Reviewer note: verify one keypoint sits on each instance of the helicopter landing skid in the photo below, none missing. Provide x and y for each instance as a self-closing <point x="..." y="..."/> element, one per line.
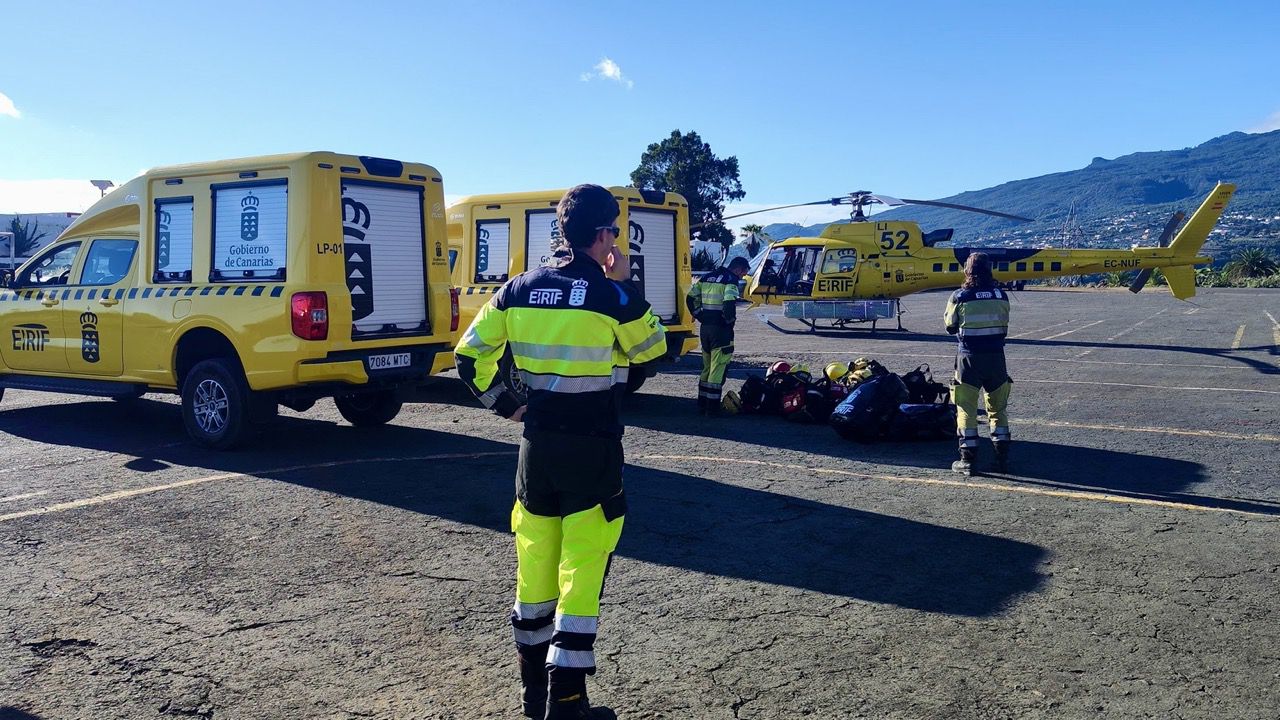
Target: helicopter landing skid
<point x="842" y="315"/>
<point x="836" y="325"/>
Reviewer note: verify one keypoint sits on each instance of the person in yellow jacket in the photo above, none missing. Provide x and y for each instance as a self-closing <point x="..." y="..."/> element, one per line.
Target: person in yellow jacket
<point x="713" y="300"/>
<point x="573" y="330"/>
<point x="978" y="314"/>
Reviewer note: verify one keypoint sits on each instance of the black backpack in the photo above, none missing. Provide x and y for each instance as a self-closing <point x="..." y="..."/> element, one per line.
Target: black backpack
<point x="921" y="389"/>
<point x="777" y="387"/>
<point x="864" y="415"/>
<point x="923" y="421"/>
<point x="752" y="394"/>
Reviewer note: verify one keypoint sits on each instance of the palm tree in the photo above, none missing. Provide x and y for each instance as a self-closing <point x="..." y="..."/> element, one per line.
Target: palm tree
<point x="755" y="237"/>
<point x="26" y="236"/>
<point x="1251" y="263"/>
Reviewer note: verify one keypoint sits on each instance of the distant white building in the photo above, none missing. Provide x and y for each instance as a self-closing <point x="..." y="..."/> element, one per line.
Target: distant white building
<point x="51" y="224"/>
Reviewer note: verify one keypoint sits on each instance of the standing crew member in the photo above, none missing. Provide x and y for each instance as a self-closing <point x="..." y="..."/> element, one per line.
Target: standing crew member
<point x="573" y="332"/>
<point x="713" y="301"/>
<point x="979" y="314"/>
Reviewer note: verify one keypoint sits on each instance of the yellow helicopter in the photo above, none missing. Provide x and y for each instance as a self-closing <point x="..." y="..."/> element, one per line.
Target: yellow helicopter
<point x="854" y="272"/>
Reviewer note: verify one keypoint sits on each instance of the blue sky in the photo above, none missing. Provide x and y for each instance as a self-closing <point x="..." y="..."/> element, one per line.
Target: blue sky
<point x="815" y="99"/>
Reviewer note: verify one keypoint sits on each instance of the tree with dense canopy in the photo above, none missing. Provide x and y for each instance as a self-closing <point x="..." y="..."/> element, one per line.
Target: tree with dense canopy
<point x="684" y="164"/>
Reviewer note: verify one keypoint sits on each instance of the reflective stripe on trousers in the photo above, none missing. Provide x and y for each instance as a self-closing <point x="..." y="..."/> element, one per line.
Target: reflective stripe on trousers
<point x="965" y="398"/>
<point x="561" y="564"/>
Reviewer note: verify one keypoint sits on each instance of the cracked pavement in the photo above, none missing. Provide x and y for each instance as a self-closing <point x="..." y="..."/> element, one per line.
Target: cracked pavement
<point x="1126" y="567"/>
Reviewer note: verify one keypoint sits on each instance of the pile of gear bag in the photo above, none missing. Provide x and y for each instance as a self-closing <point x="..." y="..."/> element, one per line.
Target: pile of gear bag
<point x="861" y="400"/>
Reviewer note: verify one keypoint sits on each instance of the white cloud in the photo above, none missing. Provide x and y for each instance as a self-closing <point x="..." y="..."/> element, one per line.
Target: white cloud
<point x="8" y="108"/>
<point x="607" y="69"/>
<point x="1271" y="123"/>
<point x="47" y="196"/>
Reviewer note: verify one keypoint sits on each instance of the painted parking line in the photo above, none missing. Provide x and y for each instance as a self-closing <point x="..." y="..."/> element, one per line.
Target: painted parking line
<point x="23" y="496"/>
<point x="1126" y="331"/>
<point x="135" y="492"/>
<point x="971" y="484"/>
<point x="1036" y="332"/>
<point x="1010" y="353"/>
<point x="1235" y="344"/>
<point x="1217" y="434"/>
<point x="1275" y="330"/>
<point x="1076" y="330"/>
<point x="1149" y="387"/>
<point x="1084" y="495"/>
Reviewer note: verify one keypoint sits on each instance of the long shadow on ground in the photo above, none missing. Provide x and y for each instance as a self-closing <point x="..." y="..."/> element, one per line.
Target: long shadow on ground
<point x="1262" y="367"/>
<point x="675" y="519"/>
<point x="1131" y="474"/>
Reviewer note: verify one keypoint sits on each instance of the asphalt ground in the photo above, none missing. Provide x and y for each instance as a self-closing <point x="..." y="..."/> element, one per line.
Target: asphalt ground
<point x="1127" y="567"/>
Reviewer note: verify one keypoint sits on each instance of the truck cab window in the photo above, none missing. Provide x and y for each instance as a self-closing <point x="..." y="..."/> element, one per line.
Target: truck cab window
<point x="108" y="262"/>
<point x="52" y="268"/>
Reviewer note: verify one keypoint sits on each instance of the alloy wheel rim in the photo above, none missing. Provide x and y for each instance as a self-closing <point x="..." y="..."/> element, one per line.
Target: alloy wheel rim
<point x="211" y="407"/>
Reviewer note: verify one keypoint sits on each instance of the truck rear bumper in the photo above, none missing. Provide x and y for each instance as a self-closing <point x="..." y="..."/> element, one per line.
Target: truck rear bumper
<point x="354" y="367"/>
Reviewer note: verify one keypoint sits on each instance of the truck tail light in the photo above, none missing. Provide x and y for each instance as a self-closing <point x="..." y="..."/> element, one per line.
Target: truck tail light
<point x="310" y="315"/>
<point x="453" y="309"/>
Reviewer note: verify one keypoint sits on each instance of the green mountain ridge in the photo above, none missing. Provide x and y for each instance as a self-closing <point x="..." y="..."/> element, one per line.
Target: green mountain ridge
<point x="1116" y="202"/>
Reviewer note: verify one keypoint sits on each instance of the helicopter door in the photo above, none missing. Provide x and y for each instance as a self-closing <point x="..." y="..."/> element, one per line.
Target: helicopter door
<point x="839" y="273"/>
<point x="788" y="270"/>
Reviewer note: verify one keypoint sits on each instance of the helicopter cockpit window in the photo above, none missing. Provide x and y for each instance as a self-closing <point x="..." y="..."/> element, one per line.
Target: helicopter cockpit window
<point x="844" y="260"/>
<point x="790" y="270"/>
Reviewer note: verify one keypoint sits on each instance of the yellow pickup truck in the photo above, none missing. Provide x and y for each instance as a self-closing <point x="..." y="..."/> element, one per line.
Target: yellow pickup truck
<point x="494" y="237"/>
<point x="243" y="285"/>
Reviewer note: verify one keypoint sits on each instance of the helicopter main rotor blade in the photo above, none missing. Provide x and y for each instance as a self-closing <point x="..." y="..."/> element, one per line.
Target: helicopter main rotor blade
<point x="830" y="201"/>
<point x="1144" y="275"/>
<point x="888" y="200"/>
<point x="1140" y="281"/>
<point x="967" y="208"/>
<point x="1172" y="225"/>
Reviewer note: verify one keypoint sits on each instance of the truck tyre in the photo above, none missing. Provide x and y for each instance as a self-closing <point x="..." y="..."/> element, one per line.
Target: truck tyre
<point x="369" y="408"/>
<point x="215" y="404"/>
<point x="510" y="376"/>
<point x="635" y="379"/>
<point x="1" y="393"/>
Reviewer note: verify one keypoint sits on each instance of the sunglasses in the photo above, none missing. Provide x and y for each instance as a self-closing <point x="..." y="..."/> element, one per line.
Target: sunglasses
<point x="617" y="231"/>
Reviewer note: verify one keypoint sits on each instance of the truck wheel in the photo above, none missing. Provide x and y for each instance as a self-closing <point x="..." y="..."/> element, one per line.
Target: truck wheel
<point x="369" y="408"/>
<point x="215" y="404"/>
<point x="510" y="376"/>
<point x="635" y="379"/>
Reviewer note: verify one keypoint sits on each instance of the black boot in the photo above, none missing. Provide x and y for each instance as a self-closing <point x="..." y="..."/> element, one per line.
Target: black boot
<point x="713" y="408"/>
<point x="1002" y="456"/>
<point x="533" y="679"/>
<point x="568" y="698"/>
<point x="964" y="466"/>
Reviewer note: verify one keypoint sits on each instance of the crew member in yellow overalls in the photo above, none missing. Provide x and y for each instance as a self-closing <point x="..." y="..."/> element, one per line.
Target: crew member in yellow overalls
<point x="978" y="313"/>
<point x="713" y="301"/>
<point x="573" y="329"/>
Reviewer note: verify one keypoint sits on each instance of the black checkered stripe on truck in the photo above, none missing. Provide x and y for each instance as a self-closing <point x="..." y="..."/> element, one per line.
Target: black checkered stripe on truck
<point x="185" y="291"/>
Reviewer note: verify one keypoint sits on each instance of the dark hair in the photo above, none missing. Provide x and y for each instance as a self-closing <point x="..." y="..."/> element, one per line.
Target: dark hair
<point x="739" y="262"/>
<point x="583" y="209"/>
<point x="977" y="272"/>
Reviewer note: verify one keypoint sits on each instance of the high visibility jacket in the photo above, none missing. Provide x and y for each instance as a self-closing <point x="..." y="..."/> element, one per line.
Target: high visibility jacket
<point x="573" y="335"/>
<point x="980" y="317"/>
<point x="713" y="298"/>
